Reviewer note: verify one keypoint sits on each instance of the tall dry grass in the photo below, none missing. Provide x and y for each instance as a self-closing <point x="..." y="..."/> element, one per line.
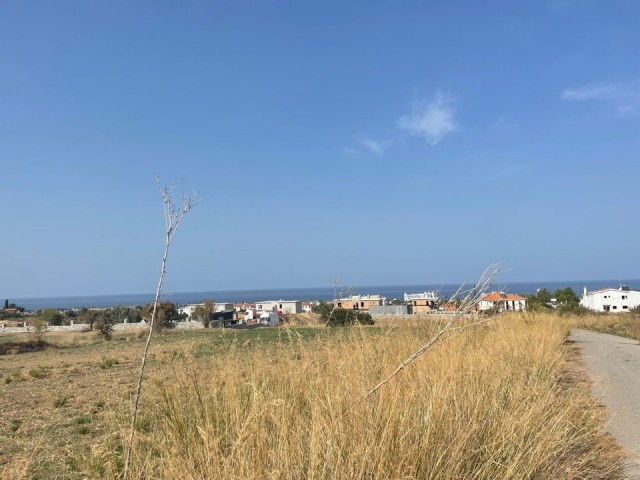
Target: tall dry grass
<point x="622" y="324"/>
<point x="493" y="402"/>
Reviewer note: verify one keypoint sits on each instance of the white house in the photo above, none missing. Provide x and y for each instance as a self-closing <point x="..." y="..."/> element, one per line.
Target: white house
<point x="433" y="296"/>
<point x="218" y="308"/>
<point x="502" y="302"/>
<point x="616" y="300"/>
<point x="284" y="306"/>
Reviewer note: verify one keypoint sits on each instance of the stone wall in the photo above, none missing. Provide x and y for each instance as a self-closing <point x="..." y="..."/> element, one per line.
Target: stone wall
<point x="142" y="325"/>
<point x="85" y="327"/>
<point x="77" y="327"/>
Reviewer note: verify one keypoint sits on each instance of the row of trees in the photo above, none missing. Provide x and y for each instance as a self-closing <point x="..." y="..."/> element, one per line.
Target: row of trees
<point x="8" y="310"/>
<point x="566" y="301"/>
<point x="166" y="314"/>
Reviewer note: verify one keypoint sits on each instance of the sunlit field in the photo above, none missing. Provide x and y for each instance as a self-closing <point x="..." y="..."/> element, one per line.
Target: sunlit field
<point x="502" y="399"/>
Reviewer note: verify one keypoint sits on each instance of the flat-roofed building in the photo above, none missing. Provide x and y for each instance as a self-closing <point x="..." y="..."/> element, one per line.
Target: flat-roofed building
<point x="359" y="302"/>
<point x="615" y="300"/>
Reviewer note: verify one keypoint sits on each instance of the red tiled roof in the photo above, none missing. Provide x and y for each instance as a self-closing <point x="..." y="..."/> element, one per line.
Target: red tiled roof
<point x="499" y="296"/>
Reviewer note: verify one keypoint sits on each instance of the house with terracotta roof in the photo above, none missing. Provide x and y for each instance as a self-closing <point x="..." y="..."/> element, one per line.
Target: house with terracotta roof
<point x="502" y="302"/>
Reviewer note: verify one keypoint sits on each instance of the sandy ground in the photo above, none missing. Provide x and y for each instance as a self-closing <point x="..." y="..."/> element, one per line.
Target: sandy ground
<point x="613" y="363"/>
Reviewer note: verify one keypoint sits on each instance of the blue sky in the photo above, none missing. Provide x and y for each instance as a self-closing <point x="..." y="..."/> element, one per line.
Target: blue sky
<point x="385" y="142"/>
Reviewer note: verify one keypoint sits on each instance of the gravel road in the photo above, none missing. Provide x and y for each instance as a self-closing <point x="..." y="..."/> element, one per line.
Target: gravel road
<point x="613" y="363"/>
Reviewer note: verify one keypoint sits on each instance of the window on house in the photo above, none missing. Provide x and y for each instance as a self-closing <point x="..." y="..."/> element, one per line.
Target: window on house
<point x="362" y="304"/>
<point x="625" y="307"/>
<point x="624" y="297"/>
<point x="615" y="307"/>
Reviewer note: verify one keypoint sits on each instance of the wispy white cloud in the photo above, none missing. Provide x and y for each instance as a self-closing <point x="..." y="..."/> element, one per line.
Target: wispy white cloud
<point x="432" y="121"/>
<point x="624" y="96"/>
<point x="375" y="147"/>
<point x="367" y="145"/>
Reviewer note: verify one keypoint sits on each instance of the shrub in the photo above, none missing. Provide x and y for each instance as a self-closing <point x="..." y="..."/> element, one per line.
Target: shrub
<point x="83" y="420"/>
<point x="342" y="318"/>
<point x="104" y="324"/>
<point x="323" y="309"/>
<point x="60" y="402"/>
<point x="52" y="316"/>
<point x="36" y="372"/>
<point x="108" y="363"/>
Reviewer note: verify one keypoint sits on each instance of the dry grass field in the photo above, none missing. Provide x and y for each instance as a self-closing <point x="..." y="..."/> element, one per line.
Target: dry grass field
<point x="498" y="400"/>
<point x="624" y="325"/>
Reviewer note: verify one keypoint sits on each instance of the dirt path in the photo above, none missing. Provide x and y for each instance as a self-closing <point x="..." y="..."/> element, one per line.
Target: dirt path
<point x="613" y="363"/>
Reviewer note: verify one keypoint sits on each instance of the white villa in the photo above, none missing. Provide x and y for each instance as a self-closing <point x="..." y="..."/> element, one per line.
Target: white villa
<point x="189" y="309"/>
<point x="284" y="306"/>
<point x="616" y="300"/>
<point x="502" y="302"/>
<point x="433" y="296"/>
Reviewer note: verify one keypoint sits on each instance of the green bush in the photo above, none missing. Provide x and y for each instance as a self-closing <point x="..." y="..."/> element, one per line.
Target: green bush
<point x="36" y="372"/>
<point x="341" y="317"/>
<point x="108" y="363"/>
<point x="104" y="324"/>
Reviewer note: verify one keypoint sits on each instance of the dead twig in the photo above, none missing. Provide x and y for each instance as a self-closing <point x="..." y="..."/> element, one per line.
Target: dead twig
<point x="470" y="300"/>
<point x="173" y="216"/>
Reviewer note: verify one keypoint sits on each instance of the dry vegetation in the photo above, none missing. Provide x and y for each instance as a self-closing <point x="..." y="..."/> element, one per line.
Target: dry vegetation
<point x="493" y="401"/>
<point x="623" y="324"/>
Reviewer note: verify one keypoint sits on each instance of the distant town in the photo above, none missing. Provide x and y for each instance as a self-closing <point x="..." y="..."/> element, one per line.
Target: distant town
<point x="209" y="313"/>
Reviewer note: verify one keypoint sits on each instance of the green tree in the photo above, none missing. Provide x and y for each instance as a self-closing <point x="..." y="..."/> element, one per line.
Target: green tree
<point x="165" y="314"/>
<point x="38" y="328"/>
<point x="104" y="324"/>
<point x="121" y="313"/>
<point x="89" y="316"/>
<point x="52" y="316"/>
<point x="204" y="313"/>
<point x="566" y="296"/>
<point x="323" y="309"/>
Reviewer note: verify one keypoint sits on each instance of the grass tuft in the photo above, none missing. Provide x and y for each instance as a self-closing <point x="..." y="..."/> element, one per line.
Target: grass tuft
<point x="108" y="363"/>
<point x="37" y="372"/>
<point x="15" y="425"/>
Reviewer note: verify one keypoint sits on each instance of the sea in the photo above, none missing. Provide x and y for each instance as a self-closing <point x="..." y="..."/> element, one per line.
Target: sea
<point x="310" y="294"/>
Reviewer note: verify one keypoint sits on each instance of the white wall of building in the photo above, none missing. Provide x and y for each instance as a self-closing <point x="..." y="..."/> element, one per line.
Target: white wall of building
<point x="615" y="300"/>
<point x="284" y="306"/>
<point x="503" y="305"/>
<point x="189" y="309"/>
<point x="266" y="306"/>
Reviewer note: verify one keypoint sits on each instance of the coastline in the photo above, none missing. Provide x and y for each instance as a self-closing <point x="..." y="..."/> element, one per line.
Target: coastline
<point x="310" y="294"/>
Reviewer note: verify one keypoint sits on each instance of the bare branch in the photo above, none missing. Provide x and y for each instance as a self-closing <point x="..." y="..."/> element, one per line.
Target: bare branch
<point x="173" y="216"/>
<point x="471" y="298"/>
